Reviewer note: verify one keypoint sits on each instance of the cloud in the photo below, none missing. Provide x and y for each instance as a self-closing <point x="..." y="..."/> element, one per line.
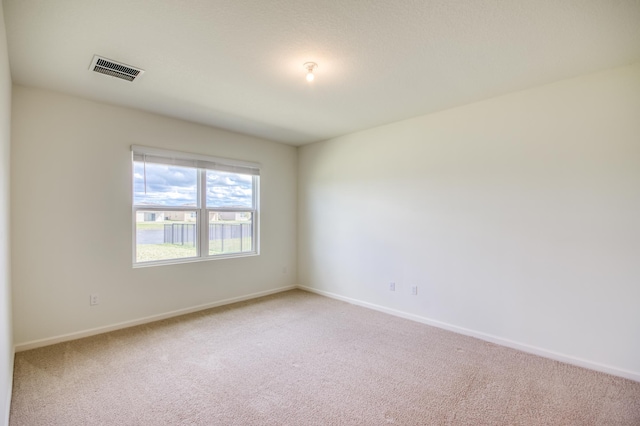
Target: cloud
<point x="177" y="187"/>
<point x="229" y="190"/>
<point x="165" y="185"/>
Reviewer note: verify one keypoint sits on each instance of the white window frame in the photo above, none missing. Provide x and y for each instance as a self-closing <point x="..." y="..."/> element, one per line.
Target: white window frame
<point x="202" y="163"/>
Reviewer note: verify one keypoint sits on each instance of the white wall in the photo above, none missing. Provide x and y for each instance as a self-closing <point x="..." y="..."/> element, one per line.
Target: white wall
<point x="517" y="217"/>
<point x="6" y="340"/>
<point x="71" y="216"/>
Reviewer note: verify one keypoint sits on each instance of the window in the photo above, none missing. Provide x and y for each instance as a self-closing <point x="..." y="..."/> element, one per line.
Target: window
<point x="190" y="207"/>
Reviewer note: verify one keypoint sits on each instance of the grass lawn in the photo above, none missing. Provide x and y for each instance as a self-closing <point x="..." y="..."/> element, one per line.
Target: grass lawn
<point x="151" y="252"/>
<point x="231" y="245"/>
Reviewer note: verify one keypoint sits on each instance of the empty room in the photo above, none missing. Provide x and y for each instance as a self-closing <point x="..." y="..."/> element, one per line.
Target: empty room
<point x="254" y="212"/>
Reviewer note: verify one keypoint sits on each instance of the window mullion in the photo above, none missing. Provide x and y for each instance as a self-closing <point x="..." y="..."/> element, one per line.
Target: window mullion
<point x="204" y="220"/>
<point x="255" y="184"/>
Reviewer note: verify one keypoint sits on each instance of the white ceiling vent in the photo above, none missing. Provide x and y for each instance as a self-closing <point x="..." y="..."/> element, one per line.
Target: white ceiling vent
<point x="114" y="69"/>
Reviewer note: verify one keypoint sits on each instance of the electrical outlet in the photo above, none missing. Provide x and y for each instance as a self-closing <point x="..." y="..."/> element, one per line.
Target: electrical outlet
<point x="94" y="299"/>
<point x="414" y="290"/>
<point x="392" y="286"/>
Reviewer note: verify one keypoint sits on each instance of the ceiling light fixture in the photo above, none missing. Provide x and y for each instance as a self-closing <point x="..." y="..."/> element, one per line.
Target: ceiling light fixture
<point x="310" y="67"/>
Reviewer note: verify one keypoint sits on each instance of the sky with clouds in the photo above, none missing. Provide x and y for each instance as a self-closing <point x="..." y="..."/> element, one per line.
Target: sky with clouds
<point x="177" y="187"/>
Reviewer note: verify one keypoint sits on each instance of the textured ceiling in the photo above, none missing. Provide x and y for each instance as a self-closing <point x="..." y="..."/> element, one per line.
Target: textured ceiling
<point x="237" y="64"/>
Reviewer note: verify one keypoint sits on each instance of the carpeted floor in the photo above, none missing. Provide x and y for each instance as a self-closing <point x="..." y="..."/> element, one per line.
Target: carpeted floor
<point x="300" y="359"/>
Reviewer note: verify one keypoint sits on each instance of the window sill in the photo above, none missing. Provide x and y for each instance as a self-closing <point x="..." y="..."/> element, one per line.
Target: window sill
<point x="192" y="260"/>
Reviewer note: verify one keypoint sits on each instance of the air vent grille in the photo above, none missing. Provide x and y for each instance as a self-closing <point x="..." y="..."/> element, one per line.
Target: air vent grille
<point x="115" y="69"/>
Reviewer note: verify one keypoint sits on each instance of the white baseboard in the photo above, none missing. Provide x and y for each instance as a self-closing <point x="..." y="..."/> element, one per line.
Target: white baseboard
<point x="99" y="330"/>
<point x="635" y="376"/>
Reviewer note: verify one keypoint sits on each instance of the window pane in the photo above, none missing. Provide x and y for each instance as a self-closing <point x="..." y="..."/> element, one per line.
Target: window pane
<point x="165" y="185"/>
<point x="164" y="235"/>
<point x="230" y="190"/>
<point x="230" y="232"/>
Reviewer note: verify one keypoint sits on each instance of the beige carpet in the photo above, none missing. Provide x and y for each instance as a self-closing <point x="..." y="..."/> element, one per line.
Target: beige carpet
<point x="300" y="359"/>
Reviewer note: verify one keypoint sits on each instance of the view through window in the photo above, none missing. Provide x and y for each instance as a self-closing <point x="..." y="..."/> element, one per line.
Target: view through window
<point x="191" y="207"/>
